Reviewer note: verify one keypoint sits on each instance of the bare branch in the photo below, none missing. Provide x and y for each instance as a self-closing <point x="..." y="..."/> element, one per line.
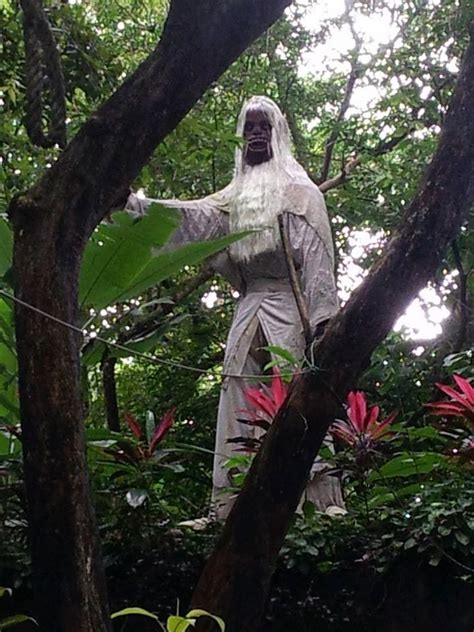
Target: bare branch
<point x="383" y="148"/>
<point x="356" y="71"/>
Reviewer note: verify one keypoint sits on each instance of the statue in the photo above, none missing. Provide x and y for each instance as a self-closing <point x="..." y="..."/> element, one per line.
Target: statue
<point x="268" y="182"/>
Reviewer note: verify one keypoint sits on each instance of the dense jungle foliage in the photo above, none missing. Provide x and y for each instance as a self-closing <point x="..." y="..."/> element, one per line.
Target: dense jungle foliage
<point x="402" y="558"/>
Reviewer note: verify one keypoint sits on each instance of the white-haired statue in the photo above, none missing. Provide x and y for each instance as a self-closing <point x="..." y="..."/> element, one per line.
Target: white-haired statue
<point x="268" y="182"/>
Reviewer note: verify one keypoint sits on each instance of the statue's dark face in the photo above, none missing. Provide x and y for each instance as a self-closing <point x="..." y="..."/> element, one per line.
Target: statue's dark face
<point x="257" y="136"/>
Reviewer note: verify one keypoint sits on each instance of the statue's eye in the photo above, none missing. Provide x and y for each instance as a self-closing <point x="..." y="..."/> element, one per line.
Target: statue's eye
<point x="248" y="127"/>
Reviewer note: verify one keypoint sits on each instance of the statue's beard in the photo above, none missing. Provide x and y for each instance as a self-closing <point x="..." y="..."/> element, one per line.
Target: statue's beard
<point x="256" y="204"/>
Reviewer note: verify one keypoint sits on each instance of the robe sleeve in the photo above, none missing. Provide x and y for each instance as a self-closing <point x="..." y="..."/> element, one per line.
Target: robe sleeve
<point x="200" y="223"/>
<point x="200" y="220"/>
<point x="316" y="267"/>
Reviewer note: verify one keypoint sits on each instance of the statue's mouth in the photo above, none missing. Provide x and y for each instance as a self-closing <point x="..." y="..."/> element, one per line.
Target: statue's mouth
<point x="258" y="144"/>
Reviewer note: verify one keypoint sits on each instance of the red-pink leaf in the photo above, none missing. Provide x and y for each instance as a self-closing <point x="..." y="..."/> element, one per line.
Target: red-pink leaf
<point x="449" y="409"/>
<point x="458" y="397"/>
<point x="134" y="425"/>
<point x="466" y="387"/>
<point x="372" y="416"/>
<point x="279" y="389"/>
<point x="380" y="431"/>
<point x="345" y="432"/>
<point x="260" y="401"/>
<point x="357" y="409"/>
<point x="162" y="428"/>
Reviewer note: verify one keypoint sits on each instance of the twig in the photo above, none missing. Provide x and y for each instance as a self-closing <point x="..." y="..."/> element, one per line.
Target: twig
<point x="356" y="71"/>
<point x="332" y="183"/>
<point x="295" y="282"/>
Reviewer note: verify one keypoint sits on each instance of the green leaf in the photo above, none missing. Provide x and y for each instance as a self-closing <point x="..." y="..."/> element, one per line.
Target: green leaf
<point x="176" y="623"/>
<point x="9" y="404"/>
<point x="462" y="538"/>
<point x="197" y="612"/>
<point x="140" y="611"/>
<point x="407" y="464"/>
<point x="165" y="265"/>
<point x="15" y="620"/>
<point x="282" y="353"/>
<point x="8" y="363"/>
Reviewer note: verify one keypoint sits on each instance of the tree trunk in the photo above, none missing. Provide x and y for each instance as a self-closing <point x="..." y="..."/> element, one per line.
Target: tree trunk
<point x="68" y="577"/>
<point x="52" y="223"/>
<point x="235" y="581"/>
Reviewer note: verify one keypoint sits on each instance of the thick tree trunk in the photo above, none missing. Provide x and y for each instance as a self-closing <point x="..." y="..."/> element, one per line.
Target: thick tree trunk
<point x="69" y="582"/>
<point x="52" y="223"/>
<point x="235" y="582"/>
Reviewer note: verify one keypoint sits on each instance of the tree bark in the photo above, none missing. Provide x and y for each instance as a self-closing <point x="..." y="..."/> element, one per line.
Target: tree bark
<point x="235" y="581"/>
<point x="52" y="223"/>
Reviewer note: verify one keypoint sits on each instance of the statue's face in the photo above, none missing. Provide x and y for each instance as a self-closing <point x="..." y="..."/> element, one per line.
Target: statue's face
<point x="257" y="137"/>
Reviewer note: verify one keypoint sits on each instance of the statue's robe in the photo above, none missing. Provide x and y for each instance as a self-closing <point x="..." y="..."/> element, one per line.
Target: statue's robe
<point x="266" y="314"/>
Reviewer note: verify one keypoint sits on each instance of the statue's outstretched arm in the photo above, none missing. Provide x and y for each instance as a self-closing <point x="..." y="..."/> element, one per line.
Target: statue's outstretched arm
<point x="200" y="220"/>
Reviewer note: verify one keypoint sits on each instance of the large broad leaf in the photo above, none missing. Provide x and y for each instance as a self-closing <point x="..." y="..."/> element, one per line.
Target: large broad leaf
<point x="118" y="253"/>
<point x="5" y="246"/>
<point x="121" y="261"/>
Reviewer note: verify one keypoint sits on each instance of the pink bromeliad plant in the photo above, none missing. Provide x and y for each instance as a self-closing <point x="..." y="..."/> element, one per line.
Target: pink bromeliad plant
<point x="461" y="403"/>
<point x="264" y="403"/>
<point x="362" y="430"/>
<point x="461" y="406"/>
<point x="146" y="448"/>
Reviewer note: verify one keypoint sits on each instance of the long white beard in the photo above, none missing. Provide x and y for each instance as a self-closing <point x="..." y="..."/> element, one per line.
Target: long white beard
<point x="256" y="202"/>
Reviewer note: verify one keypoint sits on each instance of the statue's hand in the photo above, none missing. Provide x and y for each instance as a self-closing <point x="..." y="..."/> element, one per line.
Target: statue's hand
<point x="137" y="205"/>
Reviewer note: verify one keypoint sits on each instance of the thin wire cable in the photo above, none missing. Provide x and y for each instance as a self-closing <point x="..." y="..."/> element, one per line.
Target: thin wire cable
<point x="145" y="356"/>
